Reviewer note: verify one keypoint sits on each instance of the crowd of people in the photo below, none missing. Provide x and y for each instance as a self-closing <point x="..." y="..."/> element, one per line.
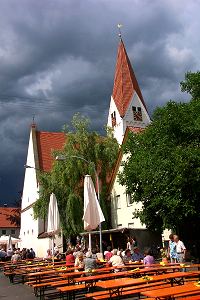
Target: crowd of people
<point x="175" y="252"/>
<point x="87" y="259"/>
<point x="15" y="255"/>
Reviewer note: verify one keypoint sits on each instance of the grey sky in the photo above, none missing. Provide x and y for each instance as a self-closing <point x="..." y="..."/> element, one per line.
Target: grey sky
<point x="58" y="57"/>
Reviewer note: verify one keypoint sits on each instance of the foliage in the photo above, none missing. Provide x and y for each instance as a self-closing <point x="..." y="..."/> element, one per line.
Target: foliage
<point x="191" y="84"/>
<point x="15" y="217"/>
<point x="66" y="177"/>
<point x="163" y="169"/>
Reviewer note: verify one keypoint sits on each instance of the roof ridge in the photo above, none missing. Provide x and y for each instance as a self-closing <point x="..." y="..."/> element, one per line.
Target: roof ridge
<point x="44" y="131"/>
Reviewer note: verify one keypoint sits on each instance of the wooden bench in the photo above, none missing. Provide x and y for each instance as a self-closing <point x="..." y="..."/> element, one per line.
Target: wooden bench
<point x="100" y="295"/>
<point x="197" y="297"/>
<point x="47" y="279"/>
<point x="40" y="287"/>
<point x="71" y="289"/>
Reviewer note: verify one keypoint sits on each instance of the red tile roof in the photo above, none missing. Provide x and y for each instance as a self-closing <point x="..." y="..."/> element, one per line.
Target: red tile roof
<point x="125" y="82"/>
<point x="47" y="142"/>
<point x="7" y="215"/>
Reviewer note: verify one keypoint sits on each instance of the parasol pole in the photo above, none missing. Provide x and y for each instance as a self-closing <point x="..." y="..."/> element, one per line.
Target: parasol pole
<point x="53" y="249"/>
<point x="90" y="242"/>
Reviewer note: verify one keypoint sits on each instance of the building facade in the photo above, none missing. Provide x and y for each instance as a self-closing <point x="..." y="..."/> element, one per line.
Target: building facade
<point x="39" y="158"/>
<point x="10" y="221"/>
<point x="127" y="113"/>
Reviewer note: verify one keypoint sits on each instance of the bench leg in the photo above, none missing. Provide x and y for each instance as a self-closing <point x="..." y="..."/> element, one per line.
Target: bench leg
<point x="11" y="277"/>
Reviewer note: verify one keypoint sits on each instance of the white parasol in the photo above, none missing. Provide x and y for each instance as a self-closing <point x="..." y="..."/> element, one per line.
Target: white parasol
<point x="53" y="225"/>
<point x="9" y="243"/>
<point x="93" y="214"/>
<point x="5" y="238"/>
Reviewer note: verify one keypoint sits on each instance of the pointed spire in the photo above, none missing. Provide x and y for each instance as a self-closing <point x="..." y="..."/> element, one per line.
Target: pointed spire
<point x="33" y="125"/>
<point x="125" y="82"/>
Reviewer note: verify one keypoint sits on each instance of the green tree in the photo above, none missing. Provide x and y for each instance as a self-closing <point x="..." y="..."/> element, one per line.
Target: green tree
<point x="66" y="177"/>
<point x="191" y="84"/>
<point x="163" y="168"/>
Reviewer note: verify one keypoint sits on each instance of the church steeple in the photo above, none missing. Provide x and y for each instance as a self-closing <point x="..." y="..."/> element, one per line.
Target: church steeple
<point x="127" y="106"/>
<point x="125" y="82"/>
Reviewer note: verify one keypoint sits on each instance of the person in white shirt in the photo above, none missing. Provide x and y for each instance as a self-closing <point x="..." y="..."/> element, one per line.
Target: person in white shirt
<point x="180" y="249"/>
<point x="116" y="260"/>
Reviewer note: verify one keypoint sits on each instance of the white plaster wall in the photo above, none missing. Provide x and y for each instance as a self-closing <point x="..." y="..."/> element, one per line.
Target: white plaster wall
<point x="29" y="230"/>
<point x="123" y="217"/>
<point x="42" y="246"/>
<point x="128" y="118"/>
<point x="118" y="129"/>
<point x="165" y="235"/>
<point x="29" y="226"/>
<point x="31" y="188"/>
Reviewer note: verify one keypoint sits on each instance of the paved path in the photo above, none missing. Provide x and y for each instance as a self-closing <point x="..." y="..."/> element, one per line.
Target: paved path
<point x="9" y="291"/>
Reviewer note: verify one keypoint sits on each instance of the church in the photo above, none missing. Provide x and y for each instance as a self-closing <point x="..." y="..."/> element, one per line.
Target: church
<point x="127" y="112"/>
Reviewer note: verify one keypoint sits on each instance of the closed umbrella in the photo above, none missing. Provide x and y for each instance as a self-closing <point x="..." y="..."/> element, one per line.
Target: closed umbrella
<point x="9" y="244"/>
<point x="53" y="225"/>
<point x="93" y="214"/>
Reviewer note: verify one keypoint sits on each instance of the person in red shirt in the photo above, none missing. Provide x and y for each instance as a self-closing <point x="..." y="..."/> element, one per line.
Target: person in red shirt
<point x="108" y="254"/>
<point x="70" y="259"/>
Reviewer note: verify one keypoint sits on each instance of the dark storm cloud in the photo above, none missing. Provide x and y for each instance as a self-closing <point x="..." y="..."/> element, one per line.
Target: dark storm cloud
<point x="58" y="57"/>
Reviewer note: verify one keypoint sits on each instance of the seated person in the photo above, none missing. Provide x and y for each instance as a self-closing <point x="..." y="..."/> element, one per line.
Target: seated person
<point x="70" y="259"/>
<point x="89" y="262"/>
<point x="49" y="255"/>
<point x="15" y="257"/>
<point x="137" y="256"/>
<point x="57" y="255"/>
<point x="108" y="254"/>
<point x="116" y="260"/>
<point x="2" y="255"/>
<point x="29" y="254"/>
<point x="127" y="257"/>
<point x="148" y="259"/>
<point x="94" y="253"/>
<point x="79" y="260"/>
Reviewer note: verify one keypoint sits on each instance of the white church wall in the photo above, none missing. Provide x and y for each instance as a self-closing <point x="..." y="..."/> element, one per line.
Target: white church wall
<point x="29" y="226"/>
<point x="29" y="230"/>
<point x="121" y="208"/>
<point x="118" y="128"/>
<point x="30" y="189"/>
<point x="129" y="118"/>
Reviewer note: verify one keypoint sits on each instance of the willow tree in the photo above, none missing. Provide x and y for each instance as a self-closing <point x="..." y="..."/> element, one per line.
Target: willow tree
<point x="66" y="177"/>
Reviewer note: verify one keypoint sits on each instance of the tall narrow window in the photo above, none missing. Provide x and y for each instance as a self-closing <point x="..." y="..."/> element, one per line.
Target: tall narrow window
<point x="118" y="201"/>
<point x="137" y="113"/>
<point x="129" y="200"/>
<point x="113" y="119"/>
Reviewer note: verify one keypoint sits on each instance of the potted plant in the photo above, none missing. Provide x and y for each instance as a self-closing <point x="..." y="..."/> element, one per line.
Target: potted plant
<point x="163" y="253"/>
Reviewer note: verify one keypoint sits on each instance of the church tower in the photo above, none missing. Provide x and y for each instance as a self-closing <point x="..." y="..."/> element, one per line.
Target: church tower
<point x="127" y="106"/>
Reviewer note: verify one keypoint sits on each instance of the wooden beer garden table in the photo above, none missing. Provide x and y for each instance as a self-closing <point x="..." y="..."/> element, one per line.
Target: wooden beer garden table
<point x="38" y="275"/>
<point x="172" y="277"/>
<point x="115" y="286"/>
<point x="172" y="292"/>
